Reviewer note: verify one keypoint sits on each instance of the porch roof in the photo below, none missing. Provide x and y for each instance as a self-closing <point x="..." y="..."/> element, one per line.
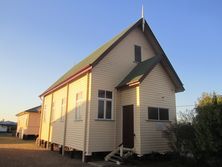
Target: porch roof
<point x="139" y="72"/>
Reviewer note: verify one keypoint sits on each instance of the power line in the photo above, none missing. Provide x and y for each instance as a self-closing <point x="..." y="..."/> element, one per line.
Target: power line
<point x="186" y="105"/>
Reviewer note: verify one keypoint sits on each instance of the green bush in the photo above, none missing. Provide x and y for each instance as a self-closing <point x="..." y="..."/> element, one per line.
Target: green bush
<point x="208" y="130"/>
<point x="201" y="136"/>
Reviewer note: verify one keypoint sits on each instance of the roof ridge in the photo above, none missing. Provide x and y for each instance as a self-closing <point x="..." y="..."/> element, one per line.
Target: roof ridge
<point x="93" y="58"/>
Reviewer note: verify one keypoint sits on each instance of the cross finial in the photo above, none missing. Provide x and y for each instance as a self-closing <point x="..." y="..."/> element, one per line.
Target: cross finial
<point x="142" y="16"/>
<point x="142" y="13"/>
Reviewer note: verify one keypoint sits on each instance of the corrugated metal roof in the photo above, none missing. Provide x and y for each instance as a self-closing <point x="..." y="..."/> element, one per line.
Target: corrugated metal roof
<point x="8" y="123"/>
<point x="34" y="109"/>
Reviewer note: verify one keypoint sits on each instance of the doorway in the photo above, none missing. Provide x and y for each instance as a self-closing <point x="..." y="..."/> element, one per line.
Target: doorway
<point x="128" y="126"/>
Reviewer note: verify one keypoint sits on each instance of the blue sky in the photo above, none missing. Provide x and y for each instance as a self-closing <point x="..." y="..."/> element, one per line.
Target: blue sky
<point x="40" y="40"/>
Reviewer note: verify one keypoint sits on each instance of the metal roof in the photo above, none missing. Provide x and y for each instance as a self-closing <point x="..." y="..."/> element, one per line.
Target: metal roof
<point x="101" y="52"/>
<point x="140" y="71"/>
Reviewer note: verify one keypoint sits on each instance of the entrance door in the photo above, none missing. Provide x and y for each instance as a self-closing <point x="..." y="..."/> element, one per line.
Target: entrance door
<point x="128" y="127"/>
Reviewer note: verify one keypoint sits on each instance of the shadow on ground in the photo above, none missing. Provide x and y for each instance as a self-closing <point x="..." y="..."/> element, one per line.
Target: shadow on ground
<point x="35" y="158"/>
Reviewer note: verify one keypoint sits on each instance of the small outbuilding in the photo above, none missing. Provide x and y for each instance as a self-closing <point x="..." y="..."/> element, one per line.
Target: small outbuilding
<point x="28" y="123"/>
<point x="7" y="126"/>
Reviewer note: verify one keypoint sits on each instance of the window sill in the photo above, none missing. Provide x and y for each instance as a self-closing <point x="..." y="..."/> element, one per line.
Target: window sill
<point x="100" y="119"/>
<point x="78" y="120"/>
<point x="153" y="120"/>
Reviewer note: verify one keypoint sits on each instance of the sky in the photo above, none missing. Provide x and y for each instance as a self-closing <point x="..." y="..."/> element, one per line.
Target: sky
<point x="41" y="40"/>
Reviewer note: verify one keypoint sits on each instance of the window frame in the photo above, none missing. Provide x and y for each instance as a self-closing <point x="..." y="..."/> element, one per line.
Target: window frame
<point x="78" y="103"/>
<point x="62" y="109"/>
<point x="44" y="113"/>
<point x="167" y="114"/>
<point x="135" y="53"/>
<point x="53" y="112"/>
<point x="105" y="99"/>
<point x="158" y="110"/>
<point x="26" y="122"/>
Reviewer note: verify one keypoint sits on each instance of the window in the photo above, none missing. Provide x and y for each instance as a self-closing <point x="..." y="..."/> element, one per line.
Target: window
<point x="104" y="104"/>
<point x="53" y="112"/>
<point x="163" y="114"/>
<point x="44" y="113"/>
<point x="62" y="109"/>
<point x="79" y="106"/>
<point x="153" y="113"/>
<point x="26" y="122"/>
<point x="156" y="113"/>
<point x="137" y="53"/>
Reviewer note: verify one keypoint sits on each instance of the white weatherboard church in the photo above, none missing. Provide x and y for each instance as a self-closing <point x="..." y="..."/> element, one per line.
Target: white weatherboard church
<point x="122" y="96"/>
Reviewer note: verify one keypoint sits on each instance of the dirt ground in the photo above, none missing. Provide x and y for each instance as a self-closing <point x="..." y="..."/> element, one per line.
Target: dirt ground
<point x="15" y="152"/>
<point x="24" y="153"/>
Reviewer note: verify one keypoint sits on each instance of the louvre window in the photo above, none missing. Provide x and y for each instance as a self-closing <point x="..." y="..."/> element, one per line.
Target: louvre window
<point x="137" y="54"/>
<point x="155" y="113"/>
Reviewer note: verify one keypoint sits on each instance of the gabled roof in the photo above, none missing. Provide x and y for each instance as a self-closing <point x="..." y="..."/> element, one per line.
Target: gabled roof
<point x="31" y="110"/>
<point x="101" y="52"/>
<point x="139" y="72"/>
<point x="8" y="123"/>
<point x="93" y="58"/>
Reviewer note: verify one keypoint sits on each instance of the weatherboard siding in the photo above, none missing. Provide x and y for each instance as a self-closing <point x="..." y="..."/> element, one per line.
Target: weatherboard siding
<point x="22" y="124"/>
<point x="45" y="117"/>
<point x="106" y="75"/>
<point x="58" y="117"/>
<point x="156" y="90"/>
<point x="33" y="124"/>
<point x="75" y="128"/>
<point x="129" y="97"/>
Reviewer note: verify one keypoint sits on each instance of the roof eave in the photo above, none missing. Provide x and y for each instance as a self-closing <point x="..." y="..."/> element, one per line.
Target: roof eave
<point x="21" y="113"/>
<point x="130" y="85"/>
<point x="116" y="42"/>
<point x="68" y="80"/>
<point x="165" y="58"/>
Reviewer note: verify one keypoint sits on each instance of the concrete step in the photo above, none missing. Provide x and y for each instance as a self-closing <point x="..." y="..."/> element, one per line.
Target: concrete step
<point x="102" y="164"/>
<point x="116" y="161"/>
<point x="117" y="158"/>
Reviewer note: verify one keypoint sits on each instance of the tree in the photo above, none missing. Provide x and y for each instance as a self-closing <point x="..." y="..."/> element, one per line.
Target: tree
<point x="200" y="133"/>
<point x="208" y="125"/>
<point x="209" y="99"/>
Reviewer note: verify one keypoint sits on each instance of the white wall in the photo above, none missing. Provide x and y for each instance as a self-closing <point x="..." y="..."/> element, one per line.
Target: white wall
<point x="156" y="90"/>
<point x="106" y="76"/>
